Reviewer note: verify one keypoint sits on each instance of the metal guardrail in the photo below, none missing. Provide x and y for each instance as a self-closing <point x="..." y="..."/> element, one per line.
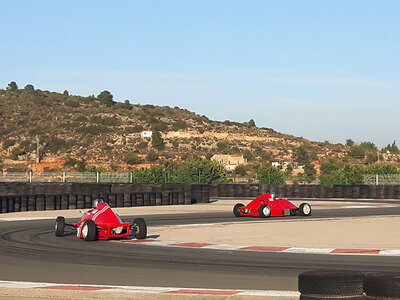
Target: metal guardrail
<point x="392" y="179"/>
<point x="81" y="177"/>
<point x="127" y="177"/>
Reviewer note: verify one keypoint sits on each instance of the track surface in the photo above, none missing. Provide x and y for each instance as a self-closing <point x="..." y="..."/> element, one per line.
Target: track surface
<point x="29" y="251"/>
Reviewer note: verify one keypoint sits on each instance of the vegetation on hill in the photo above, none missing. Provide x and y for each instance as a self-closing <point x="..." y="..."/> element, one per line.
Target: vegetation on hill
<point x="98" y="133"/>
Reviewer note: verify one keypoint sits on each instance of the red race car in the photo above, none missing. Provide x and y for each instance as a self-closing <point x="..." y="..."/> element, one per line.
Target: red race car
<point x="102" y="223"/>
<point x="267" y="205"/>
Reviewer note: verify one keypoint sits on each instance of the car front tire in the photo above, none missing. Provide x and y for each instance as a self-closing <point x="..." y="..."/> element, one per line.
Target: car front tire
<point x="264" y="211"/>
<point x="139" y="228"/>
<point x="89" y="230"/>
<point x="305" y="209"/>
<point x="59" y="226"/>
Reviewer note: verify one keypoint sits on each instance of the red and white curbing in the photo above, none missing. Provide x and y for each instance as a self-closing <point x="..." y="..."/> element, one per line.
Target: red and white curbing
<point x="144" y="289"/>
<point x="332" y="251"/>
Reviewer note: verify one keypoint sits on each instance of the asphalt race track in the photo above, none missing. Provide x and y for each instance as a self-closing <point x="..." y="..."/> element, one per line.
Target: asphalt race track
<point x="29" y="251"/>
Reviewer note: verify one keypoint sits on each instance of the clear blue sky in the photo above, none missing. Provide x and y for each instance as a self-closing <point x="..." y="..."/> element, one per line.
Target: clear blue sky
<point x="324" y="70"/>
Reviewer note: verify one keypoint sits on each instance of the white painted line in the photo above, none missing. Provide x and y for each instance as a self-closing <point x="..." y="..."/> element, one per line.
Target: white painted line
<point x="27" y="219"/>
<point x="222" y="247"/>
<point x="308" y="250"/>
<point x="361" y="206"/>
<point x="270" y="293"/>
<point x="139" y="289"/>
<point x="390" y="252"/>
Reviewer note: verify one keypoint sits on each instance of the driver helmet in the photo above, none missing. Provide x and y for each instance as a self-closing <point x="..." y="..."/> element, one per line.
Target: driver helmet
<point x="97" y="201"/>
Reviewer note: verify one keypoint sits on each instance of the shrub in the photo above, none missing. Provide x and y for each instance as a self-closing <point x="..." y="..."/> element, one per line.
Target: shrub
<point x="152" y="156"/>
<point x="16" y="152"/>
<point x="132" y="159"/>
<point x="223" y="147"/>
<point x="180" y="125"/>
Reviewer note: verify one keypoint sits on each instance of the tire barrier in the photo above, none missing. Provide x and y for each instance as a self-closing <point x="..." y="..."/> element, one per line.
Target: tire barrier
<point x="382" y="285"/>
<point x="331" y="285"/>
<point x="48" y="196"/>
<point x="326" y="285"/>
<point x="307" y="191"/>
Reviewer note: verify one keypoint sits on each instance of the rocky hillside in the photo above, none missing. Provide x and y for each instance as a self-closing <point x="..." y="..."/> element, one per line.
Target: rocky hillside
<point x="106" y="133"/>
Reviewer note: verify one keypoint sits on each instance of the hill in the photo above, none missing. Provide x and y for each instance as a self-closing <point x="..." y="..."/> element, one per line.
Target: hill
<point x="108" y="134"/>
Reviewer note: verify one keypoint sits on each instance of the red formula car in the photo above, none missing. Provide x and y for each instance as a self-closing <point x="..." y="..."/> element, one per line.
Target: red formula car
<point x="102" y="223"/>
<point x="267" y="205"/>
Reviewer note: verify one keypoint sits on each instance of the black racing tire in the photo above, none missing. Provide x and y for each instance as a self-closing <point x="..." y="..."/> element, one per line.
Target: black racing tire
<point x="331" y="283"/>
<point x="236" y="209"/>
<point x="319" y="297"/>
<point x="305" y="209"/>
<point x="382" y="285"/>
<point x="139" y="228"/>
<point x="264" y="211"/>
<point x="89" y="230"/>
<point x="59" y="226"/>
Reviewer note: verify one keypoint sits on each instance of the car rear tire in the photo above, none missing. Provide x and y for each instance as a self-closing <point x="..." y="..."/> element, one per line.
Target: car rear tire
<point x="60" y="225"/>
<point x="305" y="209"/>
<point x="236" y="209"/>
<point x="139" y="228"/>
<point x="89" y="230"/>
<point x="264" y="211"/>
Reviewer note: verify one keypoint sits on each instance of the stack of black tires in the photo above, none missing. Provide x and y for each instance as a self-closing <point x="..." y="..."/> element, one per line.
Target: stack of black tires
<point x="343" y="285"/>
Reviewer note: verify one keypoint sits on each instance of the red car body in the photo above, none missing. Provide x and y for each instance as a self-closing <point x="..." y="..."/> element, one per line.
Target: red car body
<point x="267" y="205"/>
<point x="102" y="223"/>
<point x="109" y="225"/>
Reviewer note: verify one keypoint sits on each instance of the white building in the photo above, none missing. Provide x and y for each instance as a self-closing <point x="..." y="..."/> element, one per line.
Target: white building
<point x="146" y="134"/>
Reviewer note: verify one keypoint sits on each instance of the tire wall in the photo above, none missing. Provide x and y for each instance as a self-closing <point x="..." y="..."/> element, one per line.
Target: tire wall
<point x="56" y="196"/>
<point x="15" y="197"/>
<point x="307" y="191"/>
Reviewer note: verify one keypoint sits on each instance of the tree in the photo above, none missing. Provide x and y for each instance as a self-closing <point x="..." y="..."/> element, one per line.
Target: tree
<point x="347" y="174"/>
<point x="382" y="169"/>
<point x="369" y="146"/>
<point x="247" y="154"/>
<point x="126" y="105"/>
<point x="310" y="173"/>
<point x="302" y="155"/>
<point x="270" y="175"/>
<point x="391" y="148"/>
<point x="240" y="170"/>
<point x="66" y="93"/>
<point x="151" y="156"/>
<point x="192" y="172"/>
<point x="349" y="143"/>
<point x="106" y="98"/>
<point x="29" y="87"/>
<point x="157" y="141"/>
<point x="357" y="152"/>
<point x="251" y="123"/>
<point x="223" y="147"/>
<point x="12" y="86"/>
<point x="196" y="171"/>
